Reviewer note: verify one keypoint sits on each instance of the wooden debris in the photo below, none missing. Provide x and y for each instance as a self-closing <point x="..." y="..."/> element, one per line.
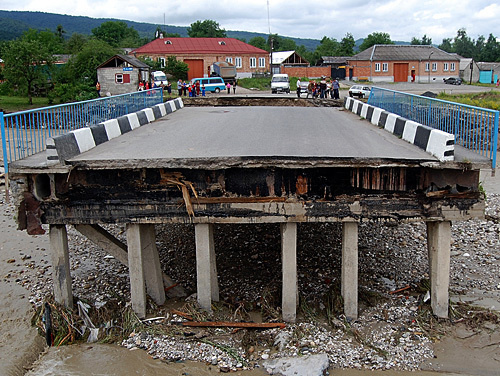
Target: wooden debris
<point x="399" y="290"/>
<point x="182" y="314"/>
<point x="230" y="324"/>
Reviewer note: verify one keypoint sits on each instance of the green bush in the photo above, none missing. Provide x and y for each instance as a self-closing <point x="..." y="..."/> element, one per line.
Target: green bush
<point x="6" y="89"/>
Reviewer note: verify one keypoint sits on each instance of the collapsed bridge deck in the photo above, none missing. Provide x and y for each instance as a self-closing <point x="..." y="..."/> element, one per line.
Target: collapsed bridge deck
<point x="248" y="165"/>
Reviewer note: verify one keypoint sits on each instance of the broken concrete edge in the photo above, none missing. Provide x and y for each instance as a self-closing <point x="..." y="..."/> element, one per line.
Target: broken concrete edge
<point x="63" y="147"/>
<point x="434" y="141"/>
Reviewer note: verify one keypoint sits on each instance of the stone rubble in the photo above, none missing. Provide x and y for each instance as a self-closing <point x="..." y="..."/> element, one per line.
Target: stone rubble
<point x="391" y="256"/>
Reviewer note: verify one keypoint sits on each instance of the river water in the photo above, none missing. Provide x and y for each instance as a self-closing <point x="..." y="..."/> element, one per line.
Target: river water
<point x="112" y="360"/>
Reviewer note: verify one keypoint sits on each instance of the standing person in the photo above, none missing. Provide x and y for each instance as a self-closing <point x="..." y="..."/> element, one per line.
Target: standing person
<point x="98" y="88"/>
<point x="184" y="88"/>
<point x="179" y="87"/>
<point x="169" y="88"/>
<point x="197" y="88"/>
<point x="141" y="85"/>
<point x="335" y="87"/>
<point x="234" y="86"/>
<point x="322" y="87"/>
<point x="228" y="86"/>
<point x="310" y="89"/>
<point x="298" y="88"/>
<point x="203" y="91"/>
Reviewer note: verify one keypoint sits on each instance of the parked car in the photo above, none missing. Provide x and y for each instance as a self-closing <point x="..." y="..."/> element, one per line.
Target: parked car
<point x="359" y="91"/>
<point x="453" y="81"/>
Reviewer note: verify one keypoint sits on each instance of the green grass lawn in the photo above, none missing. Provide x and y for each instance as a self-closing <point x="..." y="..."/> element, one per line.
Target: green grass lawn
<point x="487" y="99"/>
<point x="14" y="104"/>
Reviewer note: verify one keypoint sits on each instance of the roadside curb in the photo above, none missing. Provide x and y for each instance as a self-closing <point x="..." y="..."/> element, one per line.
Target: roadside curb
<point x="63" y="147"/>
<point x="434" y="141"/>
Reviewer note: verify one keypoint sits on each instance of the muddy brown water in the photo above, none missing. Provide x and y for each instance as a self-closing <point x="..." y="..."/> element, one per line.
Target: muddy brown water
<point x="111" y="360"/>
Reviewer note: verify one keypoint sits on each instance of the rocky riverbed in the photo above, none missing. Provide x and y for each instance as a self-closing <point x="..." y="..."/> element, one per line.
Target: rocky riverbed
<point x="394" y="330"/>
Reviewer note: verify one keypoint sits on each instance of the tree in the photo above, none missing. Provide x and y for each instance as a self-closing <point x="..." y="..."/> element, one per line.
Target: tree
<point x="178" y="69"/>
<point x="281" y="44"/>
<point x="27" y="62"/>
<point x="327" y="47"/>
<point x="463" y="45"/>
<point x="60" y="33"/>
<point x="83" y="65"/>
<point x="117" y="33"/>
<point x="347" y="44"/>
<point x="375" y="38"/>
<point x="446" y="45"/>
<point x="425" y="41"/>
<point x="491" y="50"/>
<point x="259" y="42"/>
<point x="75" y="43"/>
<point x="206" y="29"/>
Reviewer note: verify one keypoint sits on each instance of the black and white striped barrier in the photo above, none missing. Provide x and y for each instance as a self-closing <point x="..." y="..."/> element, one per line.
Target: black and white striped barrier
<point x="66" y="146"/>
<point x="436" y="142"/>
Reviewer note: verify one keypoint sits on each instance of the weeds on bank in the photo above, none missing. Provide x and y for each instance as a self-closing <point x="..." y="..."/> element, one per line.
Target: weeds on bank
<point x="489" y="99"/>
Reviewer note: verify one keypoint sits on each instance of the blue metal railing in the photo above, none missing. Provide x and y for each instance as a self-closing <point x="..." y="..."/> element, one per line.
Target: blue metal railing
<point x="474" y="128"/>
<point x="25" y="133"/>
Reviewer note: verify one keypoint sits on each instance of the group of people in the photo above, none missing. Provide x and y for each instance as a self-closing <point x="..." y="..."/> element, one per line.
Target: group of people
<point x="321" y="89"/>
<point x="192" y="90"/>
<point x="145" y="85"/>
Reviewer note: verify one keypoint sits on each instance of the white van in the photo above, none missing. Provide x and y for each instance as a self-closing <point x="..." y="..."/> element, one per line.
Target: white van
<point x="280" y="83"/>
<point x="159" y="78"/>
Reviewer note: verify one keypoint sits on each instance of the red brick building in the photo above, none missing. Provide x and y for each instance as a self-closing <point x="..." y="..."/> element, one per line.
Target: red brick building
<point x="200" y="53"/>
<point x="396" y="63"/>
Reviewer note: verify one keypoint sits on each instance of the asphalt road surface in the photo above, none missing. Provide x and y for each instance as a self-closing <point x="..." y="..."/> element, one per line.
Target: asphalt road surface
<point x="225" y="134"/>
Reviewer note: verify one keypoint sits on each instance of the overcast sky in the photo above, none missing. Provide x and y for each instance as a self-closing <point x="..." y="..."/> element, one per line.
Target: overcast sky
<point x="402" y="19"/>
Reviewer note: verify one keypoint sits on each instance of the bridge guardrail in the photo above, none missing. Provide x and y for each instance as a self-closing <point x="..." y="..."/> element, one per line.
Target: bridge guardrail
<point x="25" y="133"/>
<point x="474" y="128"/>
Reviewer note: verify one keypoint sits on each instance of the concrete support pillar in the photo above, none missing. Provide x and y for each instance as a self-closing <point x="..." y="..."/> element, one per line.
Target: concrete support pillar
<point x="289" y="260"/>
<point x="60" y="265"/>
<point x="206" y="268"/>
<point x="438" y="243"/>
<point x="144" y="267"/>
<point x="349" y="277"/>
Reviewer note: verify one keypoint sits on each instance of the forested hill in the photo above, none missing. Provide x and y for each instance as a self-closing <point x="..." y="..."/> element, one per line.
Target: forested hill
<point x="14" y="23"/>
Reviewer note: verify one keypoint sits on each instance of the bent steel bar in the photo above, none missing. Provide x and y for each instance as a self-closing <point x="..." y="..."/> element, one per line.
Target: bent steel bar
<point x="25" y="133"/>
<point x="474" y="128"/>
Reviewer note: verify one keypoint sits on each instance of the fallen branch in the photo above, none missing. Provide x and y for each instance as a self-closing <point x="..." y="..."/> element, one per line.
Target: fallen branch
<point x="229" y="324"/>
<point x="399" y="290"/>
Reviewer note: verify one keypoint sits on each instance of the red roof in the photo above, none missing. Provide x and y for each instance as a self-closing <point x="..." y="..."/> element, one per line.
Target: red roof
<point x="172" y="46"/>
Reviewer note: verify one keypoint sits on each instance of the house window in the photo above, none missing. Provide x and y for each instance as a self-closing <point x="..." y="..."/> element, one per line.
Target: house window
<point x="385" y="67"/>
<point x="122" y="78"/>
<point x="253" y="62"/>
<point x="161" y="60"/>
<point x="434" y="67"/>
<point x="229" y="60"/>
<point x="237" y="61"/>
<point x="445" y="66"/>
<point x="452" y="67"/>
<point x="262" y="62"/>
<point x="427" y="67"/>
<point x="377" y="67"/>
